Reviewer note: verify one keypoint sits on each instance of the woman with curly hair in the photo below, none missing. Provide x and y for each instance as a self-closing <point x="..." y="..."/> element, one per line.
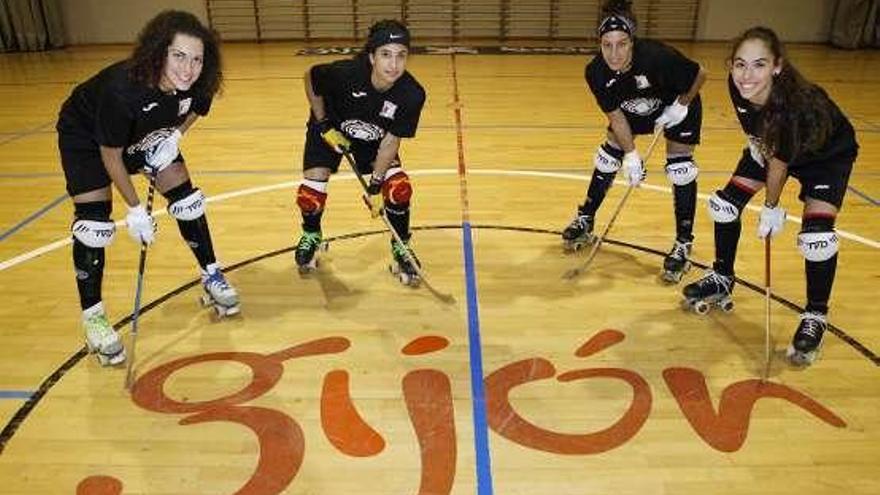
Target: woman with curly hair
<point x="129" y="118"/>
<point x="641" y="85"/>
<point x="792" y="128"/>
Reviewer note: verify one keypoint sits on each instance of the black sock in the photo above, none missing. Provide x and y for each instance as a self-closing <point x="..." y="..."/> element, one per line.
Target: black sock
<point x="820" y="274"/>
<point x="727" y="234"/>
<point x="685" y="200"/>
<point x="195" y="232"/>
<point x="599" y="185"/>
<point x="398" y="216"/>
<point x="88" y="262"/>
<point x="312" y="221"/>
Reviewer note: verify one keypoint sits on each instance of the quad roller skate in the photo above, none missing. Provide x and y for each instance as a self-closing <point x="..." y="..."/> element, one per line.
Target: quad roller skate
<point x="218" y="293"/>
<point x="677" y="262"/>
<point x="401" y="267"/>
<point x="306" y="252"/>
<point x="713" y="289"/>
<point x="807" y="339"/>
<point x="579" y="233"/>
<point x="101" y="339"/>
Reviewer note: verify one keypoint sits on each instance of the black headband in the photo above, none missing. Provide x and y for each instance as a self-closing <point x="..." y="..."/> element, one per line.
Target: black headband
<point x="387" y="35"/>
<point x="616" y="22"/>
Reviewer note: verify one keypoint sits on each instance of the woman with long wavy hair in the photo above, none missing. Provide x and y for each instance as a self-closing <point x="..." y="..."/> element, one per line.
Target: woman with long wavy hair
<point x="129" y="118"/>
<point x="793" y="128"/>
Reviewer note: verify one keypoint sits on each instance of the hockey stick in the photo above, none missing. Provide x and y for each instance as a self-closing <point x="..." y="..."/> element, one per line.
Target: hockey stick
<point x="767" y="350"/>
<point x="446" y="298"/>
<point x="139" y="288"/>
<point x="574" y="272"/>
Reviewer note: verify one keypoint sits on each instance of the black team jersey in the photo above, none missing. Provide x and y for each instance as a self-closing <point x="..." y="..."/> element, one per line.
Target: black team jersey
<point x="361" y="112"/>
<point x="111" y="110"/>
<point x="841" y="143"/>
<point x="657" y="76"/>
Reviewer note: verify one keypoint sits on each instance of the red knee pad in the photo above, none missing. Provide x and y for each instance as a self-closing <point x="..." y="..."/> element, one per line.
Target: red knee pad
<point x="310" y="200"/>
<point x="397" y="189"/>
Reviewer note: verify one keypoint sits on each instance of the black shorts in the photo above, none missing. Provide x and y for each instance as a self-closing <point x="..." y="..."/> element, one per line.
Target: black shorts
<point x="825" y="181"/>
<point x="83" y="167"/>
<point x="686" y="132"/>
<point x="318" y="154"/>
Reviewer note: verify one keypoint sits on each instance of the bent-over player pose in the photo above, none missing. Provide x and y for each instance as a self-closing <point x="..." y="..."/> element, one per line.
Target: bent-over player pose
<point x="364" y="105"/>
<point x="129" y="117"/>
<point x="641" y="84"/>
<point x="792" y="128"/>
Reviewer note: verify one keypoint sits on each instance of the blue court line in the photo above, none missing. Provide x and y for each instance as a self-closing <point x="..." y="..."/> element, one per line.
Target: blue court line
<point x="42" y="211"/>
<point x="15" y="394"/>
<point x="864" y="196"/>
<point x="478" y="393"/>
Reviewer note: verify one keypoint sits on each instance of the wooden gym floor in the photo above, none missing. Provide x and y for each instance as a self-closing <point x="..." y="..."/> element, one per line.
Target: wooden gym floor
<point x="347" y="382"/>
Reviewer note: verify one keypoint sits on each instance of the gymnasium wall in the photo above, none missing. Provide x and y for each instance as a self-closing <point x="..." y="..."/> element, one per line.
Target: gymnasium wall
<point x="89" y="22"/>
<point x="118" y="21"/>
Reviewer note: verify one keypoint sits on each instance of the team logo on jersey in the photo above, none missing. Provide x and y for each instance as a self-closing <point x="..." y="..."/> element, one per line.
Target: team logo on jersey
<point x="641" y="106"/>
<point x="741" y="110"/>
<point x="183" y="106"/>
<point x="149" y="106"/>
<point x="388" y="109"/>
<point x="609" y="83"/>
<point x="358" y="94"/>
<point x="642" y="82"/>
<point x="364" y="131"/>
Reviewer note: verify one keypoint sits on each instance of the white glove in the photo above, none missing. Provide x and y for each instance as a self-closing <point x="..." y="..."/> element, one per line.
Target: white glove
<point x="633" y="168"/>
<point x="141" y="226"/>
<point x="772" y="221"/>
<point x="161" y="155"/>
<point x="672" y="115"/>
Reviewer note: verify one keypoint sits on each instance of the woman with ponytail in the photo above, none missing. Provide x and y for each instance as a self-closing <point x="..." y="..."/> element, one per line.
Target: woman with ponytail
<point x="792" y="128"/>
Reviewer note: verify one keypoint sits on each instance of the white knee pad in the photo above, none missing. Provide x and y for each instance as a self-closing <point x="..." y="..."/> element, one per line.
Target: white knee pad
<point x="818" y="246"/>
<point x="721" y="210"/>
<point x="94" y="233"/>
<point x="188" y="208"/>
<point x="682" y="173"/>
<point x="604" y="162"/>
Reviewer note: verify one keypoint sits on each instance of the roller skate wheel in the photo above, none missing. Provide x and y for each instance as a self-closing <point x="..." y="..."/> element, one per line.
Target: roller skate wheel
<point x="233" y="310"/>
<point x="726" y="306"/>
<point x="701" y="307"/>
<point x="113" y="360"/>
<point x="308" y="268"/>
<point x="205" y="300"/>
<point x="798" y="358"/>
<point x="671" y="277"/>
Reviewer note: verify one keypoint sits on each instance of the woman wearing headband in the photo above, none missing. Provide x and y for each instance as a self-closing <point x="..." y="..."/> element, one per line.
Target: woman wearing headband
<point x="641" y="84"/>
<point x="365" y="106"/>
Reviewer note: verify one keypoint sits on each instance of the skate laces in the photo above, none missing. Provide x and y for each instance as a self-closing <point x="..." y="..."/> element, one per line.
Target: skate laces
<point x="680" y="250"/>
<point x="217" y="280"/>
<point x="98" y="326"/>
<point x="399" y="251"/>
<point x="309" y="240"/>
<point x="812" y="324"/>
<point x="714" y="278"/>
<point x="580" y="222"/>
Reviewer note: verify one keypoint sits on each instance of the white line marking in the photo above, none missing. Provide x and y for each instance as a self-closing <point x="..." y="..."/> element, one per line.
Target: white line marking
<point x="429" y="172"/>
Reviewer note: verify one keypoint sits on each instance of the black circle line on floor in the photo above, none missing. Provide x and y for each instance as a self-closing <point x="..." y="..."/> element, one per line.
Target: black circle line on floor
<point x="31" y="403"/>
